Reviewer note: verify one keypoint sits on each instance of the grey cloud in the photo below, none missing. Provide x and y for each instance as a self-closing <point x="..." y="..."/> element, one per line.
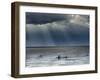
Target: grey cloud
<point x="58" y="33"/>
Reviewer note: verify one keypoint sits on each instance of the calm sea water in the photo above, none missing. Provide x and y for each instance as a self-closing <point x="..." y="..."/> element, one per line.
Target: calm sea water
<point x="59" y="56"/>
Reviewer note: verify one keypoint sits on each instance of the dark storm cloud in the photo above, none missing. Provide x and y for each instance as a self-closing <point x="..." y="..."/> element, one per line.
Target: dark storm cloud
<point x="57" y="30"/>
<point x="42" y="18"/>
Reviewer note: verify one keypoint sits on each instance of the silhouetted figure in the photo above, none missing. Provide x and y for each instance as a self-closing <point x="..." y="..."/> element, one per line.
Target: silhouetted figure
<point x="65" y="57"/>
<point x="58" y="57"/>
<point x="40" y="56"/>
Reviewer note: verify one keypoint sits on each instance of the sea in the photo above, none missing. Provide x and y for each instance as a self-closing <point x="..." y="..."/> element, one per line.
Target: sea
<point x="56" y="56"/>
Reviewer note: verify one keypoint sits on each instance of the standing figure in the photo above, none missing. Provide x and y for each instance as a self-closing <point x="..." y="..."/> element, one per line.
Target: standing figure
<point x="58" y="57"/>
<point x="40" y="56"/>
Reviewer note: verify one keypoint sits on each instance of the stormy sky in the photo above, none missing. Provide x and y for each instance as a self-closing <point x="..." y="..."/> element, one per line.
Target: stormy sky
<point x="48" y="29"/>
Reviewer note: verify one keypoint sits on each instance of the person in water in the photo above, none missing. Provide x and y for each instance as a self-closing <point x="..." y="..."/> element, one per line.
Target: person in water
<point x="40" y="56"/>
<point x="59" y="57"/>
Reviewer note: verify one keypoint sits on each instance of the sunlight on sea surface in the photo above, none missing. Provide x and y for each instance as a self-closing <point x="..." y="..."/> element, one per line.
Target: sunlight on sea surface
<point x="60" y="56"/>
